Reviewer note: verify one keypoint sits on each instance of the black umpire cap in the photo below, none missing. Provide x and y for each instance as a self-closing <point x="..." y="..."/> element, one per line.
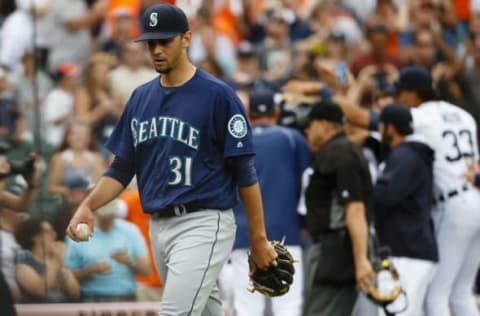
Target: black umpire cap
<point x="399" y="116"/>
<point x="163" y="21"/>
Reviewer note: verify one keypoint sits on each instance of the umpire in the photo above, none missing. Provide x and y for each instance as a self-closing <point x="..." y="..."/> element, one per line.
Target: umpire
<point x="337" y="200"/>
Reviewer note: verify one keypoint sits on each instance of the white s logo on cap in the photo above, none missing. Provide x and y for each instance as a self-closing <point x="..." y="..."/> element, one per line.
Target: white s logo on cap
<point x="153" y="19"/>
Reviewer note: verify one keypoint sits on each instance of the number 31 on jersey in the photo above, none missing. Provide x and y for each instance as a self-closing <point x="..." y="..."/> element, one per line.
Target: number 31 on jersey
<point x="180" y="171"/>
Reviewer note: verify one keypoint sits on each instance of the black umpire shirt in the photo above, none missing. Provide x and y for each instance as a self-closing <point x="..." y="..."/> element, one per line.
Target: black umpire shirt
<point x="341" y="175"/>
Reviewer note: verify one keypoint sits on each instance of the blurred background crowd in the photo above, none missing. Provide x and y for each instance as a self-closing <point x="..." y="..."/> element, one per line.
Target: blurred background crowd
<point x="67" y="67"/>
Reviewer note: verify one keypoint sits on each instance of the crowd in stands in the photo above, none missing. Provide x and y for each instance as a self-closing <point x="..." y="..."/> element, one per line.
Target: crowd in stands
<point x="67" y="68"/>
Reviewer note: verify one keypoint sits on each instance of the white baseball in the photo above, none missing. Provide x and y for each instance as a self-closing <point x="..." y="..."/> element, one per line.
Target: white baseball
<point x="82" y="231"/>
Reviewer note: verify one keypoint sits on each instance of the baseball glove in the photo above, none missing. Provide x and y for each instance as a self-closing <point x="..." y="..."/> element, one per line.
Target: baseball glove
<point x="274" y="281"/>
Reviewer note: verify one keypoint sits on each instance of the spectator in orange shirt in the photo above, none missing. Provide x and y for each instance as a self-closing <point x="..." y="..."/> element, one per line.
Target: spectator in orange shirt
<point x="150" y="288"/>
<point x="132" y="7"/>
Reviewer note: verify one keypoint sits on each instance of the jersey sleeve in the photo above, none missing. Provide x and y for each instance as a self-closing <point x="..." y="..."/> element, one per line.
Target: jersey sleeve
<point x="233" y="129"/>
<point x="421" y="120"/>
<point x="121" y="140"/>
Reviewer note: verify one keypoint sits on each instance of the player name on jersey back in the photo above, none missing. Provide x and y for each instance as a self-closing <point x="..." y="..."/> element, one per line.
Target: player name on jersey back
<point x="451" y="133"/>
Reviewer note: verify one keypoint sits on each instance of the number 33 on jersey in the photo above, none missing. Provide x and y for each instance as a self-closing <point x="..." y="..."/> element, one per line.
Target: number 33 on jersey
<point x="452" y="133"/>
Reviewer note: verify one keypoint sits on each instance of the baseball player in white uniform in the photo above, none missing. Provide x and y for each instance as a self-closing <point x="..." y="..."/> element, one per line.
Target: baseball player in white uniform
<point x="451" y="133"/>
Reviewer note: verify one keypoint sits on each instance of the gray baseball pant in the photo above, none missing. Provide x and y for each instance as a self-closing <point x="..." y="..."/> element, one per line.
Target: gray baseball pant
<point x="190" y="251"/>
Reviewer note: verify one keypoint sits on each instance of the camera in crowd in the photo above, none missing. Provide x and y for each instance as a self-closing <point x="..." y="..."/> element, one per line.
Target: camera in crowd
<point x="24" y="168"/>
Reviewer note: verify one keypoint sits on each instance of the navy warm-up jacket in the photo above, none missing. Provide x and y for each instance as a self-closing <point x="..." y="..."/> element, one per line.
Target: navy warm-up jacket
<point x="403" y="198"/>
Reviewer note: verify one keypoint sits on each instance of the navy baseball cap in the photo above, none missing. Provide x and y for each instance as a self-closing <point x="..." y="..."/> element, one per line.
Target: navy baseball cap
<point x="399" y="116"/>
<point x="414" y="78"/>
<point x="328" y="111"/>
<point x="261" y="102"/>
<point x="163" y="21"/>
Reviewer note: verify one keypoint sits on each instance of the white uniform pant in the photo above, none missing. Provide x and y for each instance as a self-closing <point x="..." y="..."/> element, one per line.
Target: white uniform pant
<point x="234" y="283"/>
<point x="458" y="237"/>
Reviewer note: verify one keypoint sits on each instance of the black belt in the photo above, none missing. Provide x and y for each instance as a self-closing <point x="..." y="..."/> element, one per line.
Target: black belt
<point x="176" y="211"/>
<point x="452" y="193"/>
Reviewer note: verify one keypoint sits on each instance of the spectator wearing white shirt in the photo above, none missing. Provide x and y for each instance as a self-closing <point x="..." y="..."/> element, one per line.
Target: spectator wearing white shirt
<point x="42" y="19"/>
<point x="70" y="36"/>
<point x="58" y="107"/>
<point x="31" y="79"/>
<point x="16" y="37"/>
<point x="131" y="72"/>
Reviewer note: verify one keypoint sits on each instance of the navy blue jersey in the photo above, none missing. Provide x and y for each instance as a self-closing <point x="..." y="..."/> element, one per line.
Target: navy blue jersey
<point x="281" y="158"/>
<point x="179" y="139"/>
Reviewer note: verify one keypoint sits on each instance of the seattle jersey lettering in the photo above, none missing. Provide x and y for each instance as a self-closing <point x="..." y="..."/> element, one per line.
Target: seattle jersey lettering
<point x="164" y="126"/>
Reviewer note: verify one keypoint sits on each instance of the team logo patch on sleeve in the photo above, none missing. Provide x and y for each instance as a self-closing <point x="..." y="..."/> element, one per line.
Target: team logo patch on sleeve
<point x="237" y="126"/>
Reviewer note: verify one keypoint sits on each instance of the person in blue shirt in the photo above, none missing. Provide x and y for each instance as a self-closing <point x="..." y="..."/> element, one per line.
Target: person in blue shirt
<point x="106" y="266"/>
<point x="185" y="137"/>
<point x="281" y="157"/>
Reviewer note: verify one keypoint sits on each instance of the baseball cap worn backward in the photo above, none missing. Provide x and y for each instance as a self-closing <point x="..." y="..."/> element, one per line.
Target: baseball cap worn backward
<point x="328" y="111"/>
<point x="399" y="116"/>
<point x="163" y="21"/>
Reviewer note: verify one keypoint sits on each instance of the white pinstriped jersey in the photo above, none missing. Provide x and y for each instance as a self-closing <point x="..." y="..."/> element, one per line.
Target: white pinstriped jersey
<point x="452" y="133"/>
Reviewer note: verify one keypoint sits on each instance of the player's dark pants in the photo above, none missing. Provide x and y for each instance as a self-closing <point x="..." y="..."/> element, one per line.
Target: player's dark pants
<point x="326" y="300"/>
